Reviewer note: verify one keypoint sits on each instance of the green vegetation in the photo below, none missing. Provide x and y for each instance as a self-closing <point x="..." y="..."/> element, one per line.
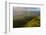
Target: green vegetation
<point x="27" y="22"/>
<point x="35" y="22"/>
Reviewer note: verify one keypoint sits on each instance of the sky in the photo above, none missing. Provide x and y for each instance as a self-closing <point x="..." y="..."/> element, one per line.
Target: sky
<point x="21" y="10"/>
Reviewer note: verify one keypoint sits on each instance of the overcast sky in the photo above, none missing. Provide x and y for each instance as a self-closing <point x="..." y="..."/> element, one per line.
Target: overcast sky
<point x="21" y="10"/>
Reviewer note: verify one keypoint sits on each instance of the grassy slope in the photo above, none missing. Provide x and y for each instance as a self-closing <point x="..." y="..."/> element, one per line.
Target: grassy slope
<point x="35" y="22"/>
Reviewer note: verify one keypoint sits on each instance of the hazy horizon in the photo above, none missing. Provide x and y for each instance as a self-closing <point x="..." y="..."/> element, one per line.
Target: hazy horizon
<point x="22" y="10"/>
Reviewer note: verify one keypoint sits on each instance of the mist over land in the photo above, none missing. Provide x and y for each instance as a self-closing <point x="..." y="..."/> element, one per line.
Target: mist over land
<point x="21" y="12"/>
<point x="26" y="17"/>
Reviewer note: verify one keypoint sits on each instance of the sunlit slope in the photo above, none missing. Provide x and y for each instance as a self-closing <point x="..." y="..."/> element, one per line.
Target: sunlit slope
<point x="35" y="22"/>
